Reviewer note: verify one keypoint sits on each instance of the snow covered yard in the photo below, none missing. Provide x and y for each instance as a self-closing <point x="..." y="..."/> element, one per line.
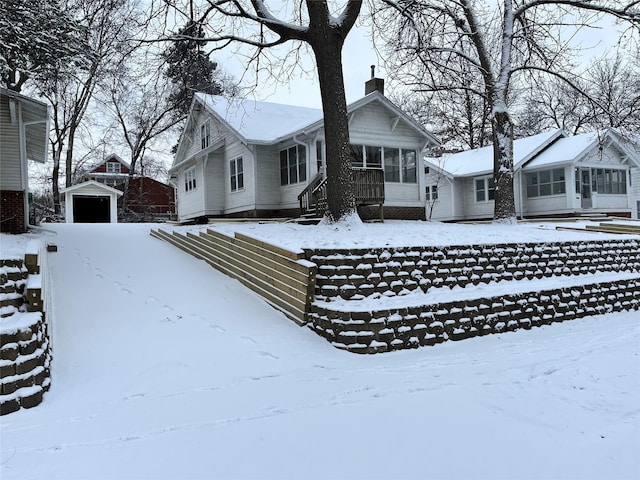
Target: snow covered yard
<point x="165" y="368"/>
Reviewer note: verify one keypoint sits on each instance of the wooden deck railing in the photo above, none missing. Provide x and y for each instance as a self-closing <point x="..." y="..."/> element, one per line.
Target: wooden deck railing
<point x="368" y="190"/>
<point x="307" y="202"/>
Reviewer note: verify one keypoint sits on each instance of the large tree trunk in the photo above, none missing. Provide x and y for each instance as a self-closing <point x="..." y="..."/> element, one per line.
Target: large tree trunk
<point x="54" y="182"/>
<point x="327" y="43"/>
<point x="69" y="158"/>
<point x="505" y="207"/>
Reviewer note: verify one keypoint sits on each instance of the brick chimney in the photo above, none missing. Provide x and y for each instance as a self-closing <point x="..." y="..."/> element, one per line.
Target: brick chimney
<point x="374" y="83"/>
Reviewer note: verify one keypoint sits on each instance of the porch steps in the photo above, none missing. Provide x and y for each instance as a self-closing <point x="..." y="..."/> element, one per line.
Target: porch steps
<point x="608" y="227"/>
<point x="283" y="278"/>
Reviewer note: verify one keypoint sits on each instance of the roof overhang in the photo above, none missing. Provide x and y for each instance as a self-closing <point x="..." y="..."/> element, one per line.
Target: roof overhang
<point x="92" y="183"/>
<point x="33" y="117"/>
<point x="196" y="156"/>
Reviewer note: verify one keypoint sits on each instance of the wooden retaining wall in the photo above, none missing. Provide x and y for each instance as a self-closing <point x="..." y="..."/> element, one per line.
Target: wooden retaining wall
<point x="283" y="278"/>
<point x="336" y="292"/>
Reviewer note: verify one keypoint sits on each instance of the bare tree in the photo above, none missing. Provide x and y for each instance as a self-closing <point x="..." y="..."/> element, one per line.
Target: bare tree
<point x="534" y="36"/>
<point x="318" y="24"/>
<point x="605" y="95"/>
<point x="553" y="104"/>
<point x="70" y="89"/>
<point x="137" y="102"/>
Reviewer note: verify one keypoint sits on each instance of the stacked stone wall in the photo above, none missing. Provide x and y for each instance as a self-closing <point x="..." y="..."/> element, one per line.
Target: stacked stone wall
<point x="411" y="327"/>
<point x="359" y="274"/>
<point x="25" y="361"/>
<point x="25" y="350"/>
<point x="349" y="279"/>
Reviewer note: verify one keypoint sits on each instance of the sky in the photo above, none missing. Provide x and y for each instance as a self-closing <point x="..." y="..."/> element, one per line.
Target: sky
<point x="359" y="55"/>
<point x="163" y="368"/>
<point x="303" y="89"/>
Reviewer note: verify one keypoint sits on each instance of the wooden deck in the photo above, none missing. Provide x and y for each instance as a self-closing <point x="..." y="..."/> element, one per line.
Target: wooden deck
<point x="368" y="190"/>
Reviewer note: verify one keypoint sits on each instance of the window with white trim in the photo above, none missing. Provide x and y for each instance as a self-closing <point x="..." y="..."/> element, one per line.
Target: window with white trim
<point x="432" y="193"/>
<point x="400" y="165"/>
<point x="114" y="167"/>
<point x="485" y="189"/>
<point x="190" y="179"/>
<point x="237" y="174"/>
<point x="609" y="181"/>
<point x="293" y="165"/>
<point x="546" y="183"/>
<point x="205" y="134"/>
<point x="365" y="156"/>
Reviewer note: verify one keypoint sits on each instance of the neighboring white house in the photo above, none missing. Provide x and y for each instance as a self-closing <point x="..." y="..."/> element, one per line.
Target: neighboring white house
<point x="24" y="130"/>
<point x="247" y="158"/>
<point x="555" y="175"/>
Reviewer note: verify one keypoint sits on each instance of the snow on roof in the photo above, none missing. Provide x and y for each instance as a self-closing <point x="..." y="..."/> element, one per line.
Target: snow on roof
<point x="91" y="183"/>
<point x="565" y="150"/>
<point x="261" y="121"/>
<point x="480" y="160"/>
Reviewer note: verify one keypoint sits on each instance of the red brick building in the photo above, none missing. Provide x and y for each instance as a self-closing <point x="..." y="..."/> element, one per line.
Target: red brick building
<point x="148" y="199"/>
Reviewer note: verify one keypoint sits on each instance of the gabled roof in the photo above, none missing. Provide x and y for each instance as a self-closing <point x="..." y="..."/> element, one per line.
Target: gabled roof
<point x="480" y="160"/>
<point x="267" y="123"/>
<point x="110" y="158"/>
<point x="92" y="183"/>
<point x="572" y="149"/>
<point x="259" y="122"/>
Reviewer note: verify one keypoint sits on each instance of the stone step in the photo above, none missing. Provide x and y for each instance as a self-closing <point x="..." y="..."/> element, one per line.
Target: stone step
<point x="414" y="323"/>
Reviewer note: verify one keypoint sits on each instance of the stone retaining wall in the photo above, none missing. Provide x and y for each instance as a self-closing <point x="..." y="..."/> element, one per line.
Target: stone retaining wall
<point x="411" y="327"/>
<point x="25" y="362"/>
<point x="25" y="350"/>
<point x="358" y="274"/>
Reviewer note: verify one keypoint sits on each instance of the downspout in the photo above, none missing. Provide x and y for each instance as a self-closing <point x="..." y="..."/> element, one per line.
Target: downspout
<point x="453" y="196"/>
<point x="23" y="153"/>
<point x="520" y="198"/>
<point x="307" y="155"/>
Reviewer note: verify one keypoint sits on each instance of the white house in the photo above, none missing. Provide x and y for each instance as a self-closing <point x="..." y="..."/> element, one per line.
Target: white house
<point x="555" y="175"/>
<point x="247" y="158"/>
<point x="24" y="130"/>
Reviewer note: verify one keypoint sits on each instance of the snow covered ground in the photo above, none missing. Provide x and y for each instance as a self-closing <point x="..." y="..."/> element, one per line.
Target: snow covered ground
<point x="165" y="368"/>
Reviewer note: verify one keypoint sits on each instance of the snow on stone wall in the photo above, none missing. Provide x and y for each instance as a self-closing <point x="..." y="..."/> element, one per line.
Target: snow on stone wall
<point x="370" y="301"/>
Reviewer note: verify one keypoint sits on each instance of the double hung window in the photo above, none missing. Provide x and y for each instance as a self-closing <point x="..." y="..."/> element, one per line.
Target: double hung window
<point x="293" y="165"/>
<point x="236" y="169"/>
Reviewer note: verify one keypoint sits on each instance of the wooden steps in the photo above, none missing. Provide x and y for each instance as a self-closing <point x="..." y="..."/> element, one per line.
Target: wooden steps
<point x="283" y="278"/>
<point x="608" y="227"/>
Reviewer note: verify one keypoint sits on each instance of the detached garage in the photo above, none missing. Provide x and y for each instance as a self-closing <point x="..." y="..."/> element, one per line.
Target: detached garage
<point x="91" y="202"/>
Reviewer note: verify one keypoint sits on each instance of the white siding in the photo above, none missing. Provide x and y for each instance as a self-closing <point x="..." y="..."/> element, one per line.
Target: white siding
<point x="191" y="204"/>
<point x="551" y="204"/>
<point x="10" y="169"/>
<point x="243" y="199"/>
<point x="191" y="142"/>
<point x="473" y="209"/>
<point x="608" y="156"/>
<point x="267" y="178"/>
<point x="374" y="125"/>
<point x="635" y="191"/>
<point x="214" y="184"/>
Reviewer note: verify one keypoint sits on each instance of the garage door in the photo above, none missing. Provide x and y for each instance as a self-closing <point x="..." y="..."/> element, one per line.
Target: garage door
<point x="90" y="209"/>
